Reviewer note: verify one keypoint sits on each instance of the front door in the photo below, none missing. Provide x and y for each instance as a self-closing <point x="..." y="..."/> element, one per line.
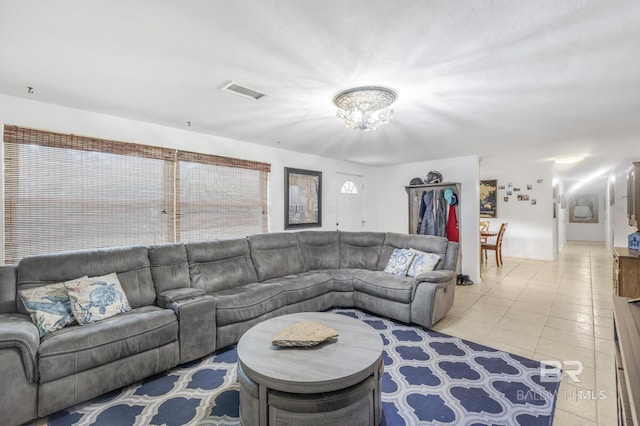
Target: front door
<point x="349" y="214"/>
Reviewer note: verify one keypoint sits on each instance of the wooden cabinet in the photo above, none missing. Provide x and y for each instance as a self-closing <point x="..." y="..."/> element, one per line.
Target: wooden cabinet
<point x="626" y="318"/>
<point x="626" y="272"/>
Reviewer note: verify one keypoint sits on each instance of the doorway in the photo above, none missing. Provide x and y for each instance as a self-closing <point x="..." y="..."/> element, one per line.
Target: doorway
<point x="349" y="211"/>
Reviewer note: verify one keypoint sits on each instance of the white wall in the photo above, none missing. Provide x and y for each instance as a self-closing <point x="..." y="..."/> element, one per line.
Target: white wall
<point x="531" y="229"/>
<point x="609" y="200"/>
<point x="385" y="200"/>
<point x="590" y="231"/>
<point x="561" y="217"/>
<point x="26" y="113"/>
<point x="393" y="205"/>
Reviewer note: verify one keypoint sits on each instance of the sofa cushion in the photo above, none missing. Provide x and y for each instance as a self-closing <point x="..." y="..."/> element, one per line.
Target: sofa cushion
<point x="169" y="266"/>
<point x="8" y="289"/>
<point x="320" y="249"/>
<point x="249" y="301"/>
<point x="77" y="348"/>
<point x="342" y="278"/>
<point x="276" y="255"/>
<point x="130" y="263"/>
<point x="399" y="262"/>
<point x="422" y="262"/>
<point x="49" y="307"/>
<point x="304" y="286"/>
<point x="361" y="250"/>
<point x="383" y="285"/>
<point x="219" y="265"/>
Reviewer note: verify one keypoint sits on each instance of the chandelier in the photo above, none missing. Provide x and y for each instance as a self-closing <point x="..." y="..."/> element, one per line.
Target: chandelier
<point x="365" y="108"/>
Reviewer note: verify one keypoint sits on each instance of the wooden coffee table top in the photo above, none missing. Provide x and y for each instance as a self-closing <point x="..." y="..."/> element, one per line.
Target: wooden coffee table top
<point x="334" y="365"/>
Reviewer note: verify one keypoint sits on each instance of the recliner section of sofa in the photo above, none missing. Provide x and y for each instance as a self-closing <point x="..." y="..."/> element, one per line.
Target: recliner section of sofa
<point x="191" y="299"/>
<point x="77" y="362"/>
<point x="225" y="270"/>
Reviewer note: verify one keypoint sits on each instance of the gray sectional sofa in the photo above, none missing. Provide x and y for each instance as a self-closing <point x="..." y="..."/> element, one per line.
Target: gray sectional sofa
<point x="188" y="300"/>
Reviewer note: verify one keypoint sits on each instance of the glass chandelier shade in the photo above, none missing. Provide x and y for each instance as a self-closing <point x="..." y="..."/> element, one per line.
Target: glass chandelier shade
<point x="365" y="108"/>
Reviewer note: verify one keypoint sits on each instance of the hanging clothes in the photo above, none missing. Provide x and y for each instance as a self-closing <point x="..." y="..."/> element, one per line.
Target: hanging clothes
<point x="427" y="218"/>
<point x="432" y="219"/>
<point x="452" y="222"/>
<point x="440" y="215"/>
<point x="452" y="225"/>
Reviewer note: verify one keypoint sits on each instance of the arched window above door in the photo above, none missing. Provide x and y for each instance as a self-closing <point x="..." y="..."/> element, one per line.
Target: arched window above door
<point x="349" y="188"/>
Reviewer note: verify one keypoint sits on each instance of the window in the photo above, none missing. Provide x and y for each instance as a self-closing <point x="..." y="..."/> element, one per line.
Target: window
<point x="66" y="192"/>
<point x="349" y="188"/>
<point x="218" y="197"/>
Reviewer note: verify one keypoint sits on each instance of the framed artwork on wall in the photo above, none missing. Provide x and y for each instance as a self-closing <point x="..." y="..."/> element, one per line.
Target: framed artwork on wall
<point x="583" y="208"/>
<point x="302" y="198"/>
<point x="488" y="198"/>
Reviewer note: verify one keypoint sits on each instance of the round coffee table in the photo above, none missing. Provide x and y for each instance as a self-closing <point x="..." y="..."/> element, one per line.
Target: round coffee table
<point x="333" y="383"/>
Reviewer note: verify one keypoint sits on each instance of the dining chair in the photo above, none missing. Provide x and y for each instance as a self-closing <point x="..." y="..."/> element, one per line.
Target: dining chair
<point x="484" y="227"/>
<point x="497" y="246"/>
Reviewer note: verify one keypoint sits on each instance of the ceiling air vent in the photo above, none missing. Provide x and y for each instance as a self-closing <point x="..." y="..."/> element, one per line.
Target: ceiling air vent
<point x="243" y="91"/>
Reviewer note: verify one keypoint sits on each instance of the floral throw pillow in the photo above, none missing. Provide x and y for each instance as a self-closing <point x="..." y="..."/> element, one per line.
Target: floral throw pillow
<point x="96" y="298"/>
<point x="49" y="307"/>
<point x="399" y="262"/>
<point x="422" y="262"/>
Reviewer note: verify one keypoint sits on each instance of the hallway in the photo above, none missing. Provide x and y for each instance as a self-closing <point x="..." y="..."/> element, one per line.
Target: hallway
<point x="550" y="310"/>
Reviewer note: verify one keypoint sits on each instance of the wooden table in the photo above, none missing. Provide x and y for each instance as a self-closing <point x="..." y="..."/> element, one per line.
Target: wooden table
<point x="334" y="383"/>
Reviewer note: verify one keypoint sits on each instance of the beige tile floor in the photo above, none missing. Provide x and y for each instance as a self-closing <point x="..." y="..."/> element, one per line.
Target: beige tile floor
<point x="559" y="310"/>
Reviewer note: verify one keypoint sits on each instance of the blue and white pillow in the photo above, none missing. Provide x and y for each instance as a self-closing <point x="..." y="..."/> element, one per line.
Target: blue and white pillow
<point x="96" y="298"/>
<point x="48" y="306"/>
<point x="422" y="262"/>
<point x="399" y="262"/>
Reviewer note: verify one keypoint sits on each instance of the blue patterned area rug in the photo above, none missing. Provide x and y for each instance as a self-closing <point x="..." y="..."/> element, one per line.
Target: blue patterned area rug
<point x="430" y="379"/>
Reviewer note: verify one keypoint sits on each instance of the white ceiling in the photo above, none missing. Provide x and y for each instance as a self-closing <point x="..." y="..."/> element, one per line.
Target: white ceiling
<point x="502" y="79"/>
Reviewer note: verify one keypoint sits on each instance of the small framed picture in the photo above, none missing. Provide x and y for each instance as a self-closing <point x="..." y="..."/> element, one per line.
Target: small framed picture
<point x="533" y="201"/>
<point x="529" y="187"/>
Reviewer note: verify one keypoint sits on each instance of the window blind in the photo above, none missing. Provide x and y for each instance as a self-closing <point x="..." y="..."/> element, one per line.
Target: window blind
<point x="217" y="198"/>
<point x="66" y="192"/>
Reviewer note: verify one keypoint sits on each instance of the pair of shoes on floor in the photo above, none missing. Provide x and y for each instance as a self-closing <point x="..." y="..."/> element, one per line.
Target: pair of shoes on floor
<point x="464" y="280"/>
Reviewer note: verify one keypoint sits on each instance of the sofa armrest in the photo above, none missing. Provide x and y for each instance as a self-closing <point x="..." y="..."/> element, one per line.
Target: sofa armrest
<point x="432" y="296"/>
<point x="167" y="298"/>
<point x="196" y="312"/>
<point x="17" y="331"/>
<point x="440" y="277"/>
